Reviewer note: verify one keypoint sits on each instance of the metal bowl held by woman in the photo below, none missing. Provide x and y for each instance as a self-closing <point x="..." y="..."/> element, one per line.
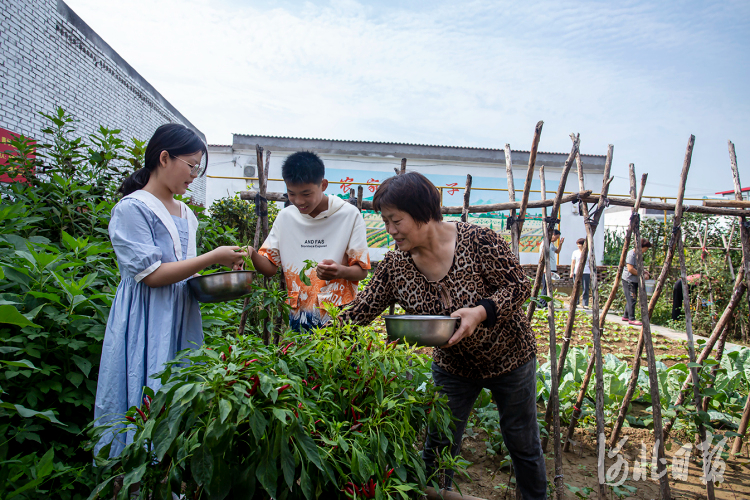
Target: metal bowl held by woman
<point x="222" y="286"/>
<point x="425" y="331"/>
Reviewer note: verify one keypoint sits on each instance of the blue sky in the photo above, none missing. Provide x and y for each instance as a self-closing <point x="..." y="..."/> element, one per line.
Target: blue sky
<point x="640" y="75"/>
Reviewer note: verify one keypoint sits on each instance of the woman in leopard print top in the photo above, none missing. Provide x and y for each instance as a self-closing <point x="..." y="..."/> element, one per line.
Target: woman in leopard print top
<point x="467" y="271"/>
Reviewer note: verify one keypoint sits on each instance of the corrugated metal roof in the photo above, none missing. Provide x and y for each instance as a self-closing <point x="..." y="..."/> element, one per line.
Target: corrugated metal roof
<point x="401" y="144"/>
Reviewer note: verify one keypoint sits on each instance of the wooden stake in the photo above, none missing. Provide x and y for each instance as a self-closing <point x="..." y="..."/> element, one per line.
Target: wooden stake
<point x="606" y="181"/>
<point x="691" y="354"/>
<point x="595" y="330"/>
<point x="264" y="220"/>
<point x="554" y="402"/>
<point x="734" y="300"/>
<point x="403" y="166"/>
<point x="555" y="211"/>
<point x="677" y="221"/>
<point x="360" y="194"/>
<point x="258" y="226"/>
<point x="529" y="176"/>
<point x="661" y="466"/>
<point x="728" y="247"/>
<point x="592" y="360"/>
<point x="467" y="195"/>
<point x="745" y="239"/>
<point x="514" y="243"/>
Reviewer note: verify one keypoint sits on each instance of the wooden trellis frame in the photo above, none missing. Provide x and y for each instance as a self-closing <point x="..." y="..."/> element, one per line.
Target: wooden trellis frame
<point x="676" y="245"/>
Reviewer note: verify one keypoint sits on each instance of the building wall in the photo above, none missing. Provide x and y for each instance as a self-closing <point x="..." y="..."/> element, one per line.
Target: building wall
<point x="49" y="57"/>
<point x="228" y="162"/>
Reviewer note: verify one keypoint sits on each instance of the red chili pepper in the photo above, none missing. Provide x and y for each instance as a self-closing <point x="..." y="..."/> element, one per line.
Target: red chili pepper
<point x="358" y="370"/>
<point x="391" y="344"/>
<point x="131" y="419"/>
<point x="143" y="415"/>
<point x="299" y="405"/>
<point x="247" y="363"/>
<point x="388" y="475"/>
<point x="316" y="387"/>
<point x="231" y="383"/>
<point x="230" y="349"/>
<point x="283" y="388"/>
<point x="284" y="350"/>
<point x="391" y="380"/>
<point x="147" y="403"/>
<point x="254" y="388"/>
<point x="356" y="426"/>
<point x="304" y="382"/>
<point x="369" y="346"/>
<point x="223" y="356"/>
<point x="315" y="423"/>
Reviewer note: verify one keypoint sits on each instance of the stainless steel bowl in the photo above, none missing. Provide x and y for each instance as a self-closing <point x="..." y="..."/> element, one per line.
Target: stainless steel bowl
<point x="425" y="331"/>
<point x="223" y="286"/>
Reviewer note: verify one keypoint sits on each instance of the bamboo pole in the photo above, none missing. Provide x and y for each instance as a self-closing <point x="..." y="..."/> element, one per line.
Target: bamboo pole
<point x="676" y="223"/>
<point x="606" y="181"/>
<point x="467" y="196"/>
<point x="691" y="355"/>
<point x="745" y="239"/>
<point x="553" y="404"/>
<point x="518" y="226"/>
<point x="514" y="242"/>
<point x="719" y="353"/>
<point x="592" y="360"/>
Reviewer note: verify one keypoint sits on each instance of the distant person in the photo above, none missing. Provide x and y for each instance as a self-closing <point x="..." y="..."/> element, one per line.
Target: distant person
<point x="630" y="283"/>
<point x="678" y="300"/>
<point x="319" y="228"/>
<point x="586" y="278"/>
<point x="553" y="251"/>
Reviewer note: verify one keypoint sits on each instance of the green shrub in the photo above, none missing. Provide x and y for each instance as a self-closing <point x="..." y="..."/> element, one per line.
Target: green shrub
<point x="323" y="413"/>
<point x="239" y="215"/>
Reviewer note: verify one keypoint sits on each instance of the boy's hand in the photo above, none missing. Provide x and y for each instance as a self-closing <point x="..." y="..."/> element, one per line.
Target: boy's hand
<point x="328" y="270"/>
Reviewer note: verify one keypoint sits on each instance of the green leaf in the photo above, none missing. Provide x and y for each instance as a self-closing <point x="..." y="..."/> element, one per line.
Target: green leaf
<point x="309" y="447"/>
<point x="225" y="408"/>
<point x="11" y="316"/>
<point x="287" y="461"/>
<point x="202" y="465"/>
<point x="83" y="364"/>
<point x="75" y="378"/>
<point x="258" y="424"/>
<point x="21" y="363"/>
<point x="306" y="484"/>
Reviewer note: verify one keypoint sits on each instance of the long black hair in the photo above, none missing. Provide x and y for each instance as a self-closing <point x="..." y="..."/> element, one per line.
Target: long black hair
<point x="175" y="139"/>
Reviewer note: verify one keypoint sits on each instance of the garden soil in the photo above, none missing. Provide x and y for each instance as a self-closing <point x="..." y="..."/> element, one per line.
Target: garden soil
<point x="488" y="475"/>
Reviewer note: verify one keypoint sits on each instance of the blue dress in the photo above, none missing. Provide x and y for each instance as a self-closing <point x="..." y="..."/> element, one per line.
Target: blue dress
<point x="147" y="326"/>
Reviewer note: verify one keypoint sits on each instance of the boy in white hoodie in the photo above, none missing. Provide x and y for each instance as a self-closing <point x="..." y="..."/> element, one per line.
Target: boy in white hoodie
<point x="318" y="228"/>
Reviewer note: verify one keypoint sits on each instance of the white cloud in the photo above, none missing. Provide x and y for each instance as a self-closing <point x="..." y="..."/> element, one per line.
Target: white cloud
<point x="634" y="74"/>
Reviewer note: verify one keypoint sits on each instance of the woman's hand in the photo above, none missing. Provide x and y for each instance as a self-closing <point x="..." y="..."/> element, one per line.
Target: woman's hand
<point x="471" y="317"/>
<point x="230" y="257"/>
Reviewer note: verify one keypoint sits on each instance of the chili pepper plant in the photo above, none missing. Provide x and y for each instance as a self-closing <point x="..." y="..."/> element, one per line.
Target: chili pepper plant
<point x="325" y="414"/>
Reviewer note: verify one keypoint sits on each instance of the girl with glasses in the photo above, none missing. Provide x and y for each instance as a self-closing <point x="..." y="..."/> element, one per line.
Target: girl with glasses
<point x="154" y="315"/>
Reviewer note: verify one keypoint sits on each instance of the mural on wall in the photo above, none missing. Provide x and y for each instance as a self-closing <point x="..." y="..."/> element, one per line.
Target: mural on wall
<point x="484" y="192"/>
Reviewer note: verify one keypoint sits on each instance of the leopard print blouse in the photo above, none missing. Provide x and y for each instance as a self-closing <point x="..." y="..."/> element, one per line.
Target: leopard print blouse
<point x="484" y="267"/>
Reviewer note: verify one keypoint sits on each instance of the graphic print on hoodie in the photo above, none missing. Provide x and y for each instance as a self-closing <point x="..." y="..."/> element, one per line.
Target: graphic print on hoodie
<point x="338" y="234"/>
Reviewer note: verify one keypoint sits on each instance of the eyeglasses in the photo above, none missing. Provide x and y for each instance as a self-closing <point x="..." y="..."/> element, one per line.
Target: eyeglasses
<point x="196" y="169"/>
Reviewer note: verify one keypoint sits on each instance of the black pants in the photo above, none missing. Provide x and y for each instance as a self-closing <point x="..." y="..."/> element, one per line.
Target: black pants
<point x="630" y="288"/>
<point x="515" y="396"/>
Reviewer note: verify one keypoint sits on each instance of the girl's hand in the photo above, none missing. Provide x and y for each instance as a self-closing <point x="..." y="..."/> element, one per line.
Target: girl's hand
<point x="228" y="256"/>
<point x="470" y="319"/>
